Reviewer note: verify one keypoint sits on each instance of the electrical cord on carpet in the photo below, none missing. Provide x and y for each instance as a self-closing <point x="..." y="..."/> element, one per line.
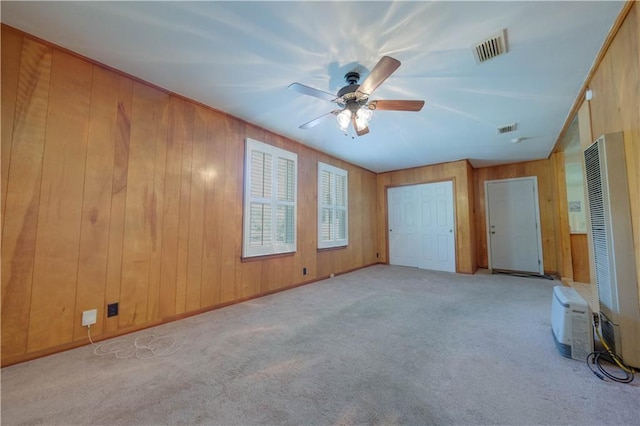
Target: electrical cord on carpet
<point x="594" y="359"/>
<point x="143" y="347"/>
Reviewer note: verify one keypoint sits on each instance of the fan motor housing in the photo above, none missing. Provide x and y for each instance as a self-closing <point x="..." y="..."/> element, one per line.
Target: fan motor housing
<point x="352" y="77"/>
<point x="348" y="92"/>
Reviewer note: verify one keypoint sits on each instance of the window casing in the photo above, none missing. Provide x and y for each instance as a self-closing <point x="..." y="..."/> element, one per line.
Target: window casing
<point x="333" y="206"/>
<point x="270" y="195"/>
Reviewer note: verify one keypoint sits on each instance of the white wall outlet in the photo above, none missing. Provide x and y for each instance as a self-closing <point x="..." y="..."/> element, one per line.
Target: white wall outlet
<point x="89" y="317"/>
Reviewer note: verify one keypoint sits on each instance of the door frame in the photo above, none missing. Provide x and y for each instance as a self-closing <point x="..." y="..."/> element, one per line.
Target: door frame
<point x="536" y="202"/>
<point x="455" y="215"/>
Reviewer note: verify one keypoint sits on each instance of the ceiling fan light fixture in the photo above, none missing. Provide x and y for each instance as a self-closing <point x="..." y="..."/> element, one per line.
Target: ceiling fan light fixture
<point x="354" y="106"/>
<point x="363" y="115"/>
<point x="344" y="118"/>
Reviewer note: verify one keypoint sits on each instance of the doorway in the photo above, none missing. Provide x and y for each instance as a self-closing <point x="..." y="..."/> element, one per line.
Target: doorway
<point x="422" y="226"/>
<point x="514" y="239"/>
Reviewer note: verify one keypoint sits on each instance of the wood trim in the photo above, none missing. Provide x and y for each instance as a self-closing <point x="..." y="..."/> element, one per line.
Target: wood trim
<point x="592" y="71"/>
<point x="319" y="250"/>
<point x="418" y="168"/>
<point x="267" y="256"/>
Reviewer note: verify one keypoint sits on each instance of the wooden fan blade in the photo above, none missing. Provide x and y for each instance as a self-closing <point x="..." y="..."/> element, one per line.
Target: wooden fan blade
<point x="306" y="90"/>
<point x="383" y="69"/>
<point x="355" y="127"/>
<point x="396" y="105"/>
<point x="362" y="131"/>
<point x="317" y="120"/>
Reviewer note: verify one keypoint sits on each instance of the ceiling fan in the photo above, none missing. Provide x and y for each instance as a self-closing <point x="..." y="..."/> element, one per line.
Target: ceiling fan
<point x="353" y="99"/>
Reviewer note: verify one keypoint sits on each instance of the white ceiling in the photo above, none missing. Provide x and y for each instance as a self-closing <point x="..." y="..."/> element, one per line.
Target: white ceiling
<point x="239" y="57"/>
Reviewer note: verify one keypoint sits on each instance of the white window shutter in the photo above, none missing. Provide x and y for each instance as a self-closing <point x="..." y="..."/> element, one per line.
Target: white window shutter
<point x="332" y="206"/>
<point x="270" y="200"/>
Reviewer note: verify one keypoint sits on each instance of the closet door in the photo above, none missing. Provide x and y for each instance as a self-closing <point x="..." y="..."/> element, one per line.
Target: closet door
<point x="422" y="226"/>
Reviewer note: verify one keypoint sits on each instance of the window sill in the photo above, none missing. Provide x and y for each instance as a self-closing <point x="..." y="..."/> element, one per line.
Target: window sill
<point x="266" y="257"/>
<point x="332" y="248"/>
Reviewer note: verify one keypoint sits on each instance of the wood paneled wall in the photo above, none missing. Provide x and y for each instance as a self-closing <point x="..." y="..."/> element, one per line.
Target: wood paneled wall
<point x="565" y="260"/>
<point x="117" y="191"/>
<point x="615" y="107"/>
<point x="547" y="199"/>
<point x="460" y="172"/>
<point x="580" y="256"/>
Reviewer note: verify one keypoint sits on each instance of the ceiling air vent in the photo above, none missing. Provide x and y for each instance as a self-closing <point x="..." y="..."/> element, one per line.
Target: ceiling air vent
<point x="508" y="128"/>
<point x="493" y="46"/>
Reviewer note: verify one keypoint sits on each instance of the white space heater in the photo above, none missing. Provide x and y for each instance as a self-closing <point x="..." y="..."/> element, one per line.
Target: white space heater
<point x="613" y="251"/>
<point x="571" y="323"/>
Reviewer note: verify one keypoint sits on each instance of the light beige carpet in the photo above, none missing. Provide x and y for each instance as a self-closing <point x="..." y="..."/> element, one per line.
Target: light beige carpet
<point x="383" y="345"/>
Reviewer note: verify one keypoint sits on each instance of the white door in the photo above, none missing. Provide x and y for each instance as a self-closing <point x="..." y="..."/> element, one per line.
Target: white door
<point x="513" y="234"/>
<point x="403" y="230"/>
<point x="422" y="227"/>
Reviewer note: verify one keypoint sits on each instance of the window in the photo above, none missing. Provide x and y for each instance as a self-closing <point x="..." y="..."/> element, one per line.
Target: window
<point x="269" y="200"/>
<point x="333" y="217"/>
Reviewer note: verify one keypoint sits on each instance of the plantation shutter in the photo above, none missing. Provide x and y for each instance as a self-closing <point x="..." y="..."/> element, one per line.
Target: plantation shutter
<point x="332" y="206"/>
<point x="270" y="200"/>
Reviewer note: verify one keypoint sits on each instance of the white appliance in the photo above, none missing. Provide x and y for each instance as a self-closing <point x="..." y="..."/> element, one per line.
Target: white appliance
<point x="571" y="323"/>
<point x="613" y="251"/>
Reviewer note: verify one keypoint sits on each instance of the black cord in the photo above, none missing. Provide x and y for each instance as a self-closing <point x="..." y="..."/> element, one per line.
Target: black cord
<point x="595" y="359"/>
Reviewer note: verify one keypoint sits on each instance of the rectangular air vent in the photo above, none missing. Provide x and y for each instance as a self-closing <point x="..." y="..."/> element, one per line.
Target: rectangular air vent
<point x="508" y="128"/>
<point x="493" y="46"/>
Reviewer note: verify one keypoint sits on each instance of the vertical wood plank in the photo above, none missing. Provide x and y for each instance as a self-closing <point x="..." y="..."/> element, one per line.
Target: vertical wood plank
<point x="10" y="64"/>
<point x="480" y="176"/>
<point x="307" y="215"/>
<point x="196" y="210"/>
<point x="171" y="218"/>
<point x="217" y="129"/>
<point x="159" y="171"/>
<point x="473" y="234"/>
<point x="370" y="231"/>
<point x="232" y="215"/>
<point x="52" y="315"/>
<point x="185" y="205"/>
<point x="96" y="202"/>
<point x="382" y="182"/>
<point x="580" y="256"/>
<point x="134" y="289"/>
<point x="548" y="205"/>
<point x="565" y="268"/>
<point x="121" y="144"/>
<point x="23" y="194"/>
